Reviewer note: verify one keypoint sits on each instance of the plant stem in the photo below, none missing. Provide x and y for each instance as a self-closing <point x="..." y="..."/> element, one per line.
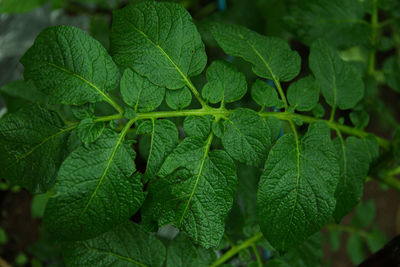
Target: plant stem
<point x="196" y="93"/>
<point x="394" y="171"/>
<point x="348" y="229"/>
<point x="390" y="181"/>
<point x="109" y="118"/>
<point x="374" y="33"/>
<point x="258" y="258"/>
<point x="233" y="251"/>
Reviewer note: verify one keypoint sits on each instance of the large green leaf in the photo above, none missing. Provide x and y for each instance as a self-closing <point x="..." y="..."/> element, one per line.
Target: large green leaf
<point x="181" y="252"/>
<point x="355" y="155"/>
<point x="271" y="57"/>
<point x="95" y="190"/>
<point x="32" y="144"/>
<point x="195" y="191"/>
<point x="139" y="93"/>
<point x="296" y="192"/>
<point x="340" y="22"/>
<point x="158" y="40"/>
<point x="340" y="82"/>
<point x="224" y="83"/>
<point x="247" y="137"/>
<point x="125" y="245"/>
<point x="25" y="90"/>
<point x="164" y="138"/>
<point x="70" y="66"/>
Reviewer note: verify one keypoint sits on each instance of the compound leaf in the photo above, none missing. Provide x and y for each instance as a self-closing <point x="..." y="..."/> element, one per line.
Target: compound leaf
<point x="247" y="137"/>
<point x="224" y="83"/>
<point x="70" y="66"/>
<point x="95" y="190"/>
<point x="32" y="144"/>
<point x="303" y="94"/>
<point x="296" y="192"/>
<point x="340" y="82"/>
<point x="164" y="138"/>
<point x="158" y="40"/>
<point x="271" y="57"/>
<point x="125" y="245"/>
<point x="139" y="93"/>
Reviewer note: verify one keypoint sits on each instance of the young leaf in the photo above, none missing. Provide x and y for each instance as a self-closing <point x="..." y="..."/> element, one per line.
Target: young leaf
<point x="271" y="57"/>
<point x="182" y="253"/>
<point x="195" y="191"/>
<point x="224" y="83"/>
<point x="70" y="66"/>
<point x="296" y="192"/>
<point x="84" y="111"/>
<point x="391" y="69"/>
<point x="158" y="40"/>
<point x="89" y="131"/>
<point x="247" y="137"/>
<point x="303" y="94"/>
<point x="197" y="126"/>
<point x="32" y="144"/>
<point x="364" y="215"/>
<point x="355" y="155"/>
<point x="164" y="138"/>
<point x="313" y="19"/>
<point x="139" y="93"/>
<point x="95" y="190"/>
<point x="125" y="245"/>
<point x="340" y="82"/>
<point x="264" y="94"/>
<point x="355" y="248"/>
<point x="178" y="99"/>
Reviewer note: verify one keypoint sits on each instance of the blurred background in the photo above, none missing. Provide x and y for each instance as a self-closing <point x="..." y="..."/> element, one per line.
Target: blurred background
<point x="374" y="222"/>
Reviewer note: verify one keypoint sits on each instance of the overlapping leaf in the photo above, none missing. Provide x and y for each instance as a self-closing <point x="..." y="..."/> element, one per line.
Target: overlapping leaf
<point x="158" y="40"/>
<point x="32" y="143"/>
<point x="95" y="190"/>
<point x="296" y="192"/>
<point x="70" y="66"/>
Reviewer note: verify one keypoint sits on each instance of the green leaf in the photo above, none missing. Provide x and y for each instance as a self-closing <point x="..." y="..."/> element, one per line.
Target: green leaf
<point x="197" y="126"/>
<point x="376" y="239"/>
<point x="391" y="69"/>
<point x="247" y="137"/>
<point x="359" y="119"/>
<point x="271" y="57"/>
<point x="354" y="155"/>
<point x="164" y="138"/>
<point x="83" y="112"/>
<point x="139" y="93"/>
<point x="125" y="245"/>
<point x="158" y="40"/>
<point x="264" y="94"/>
<point x="178" y="99"/>
<point x="224" y="83"/>
<point x="25" y="90"/>
<point x="95" y="190"/>
<point x="340" y="22"/>
<point x="195" y="191"/>
<point x="296" y="192"/>
<point x="340" y="82"/>
<point x="355" y="248"/>
<point x="16" y="6"/>
<point x="182" y="253"/>
<point x="32" y="144"/>
<point x="89" y="131"/>
<point x="303" y="94"/>
<point x="364" y="215"/>
<point x="70" y="66"/>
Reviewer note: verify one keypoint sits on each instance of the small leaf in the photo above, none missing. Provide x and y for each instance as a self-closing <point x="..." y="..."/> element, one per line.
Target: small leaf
<point x="159" y="41"/>
<point x="224" y="83"/>
<point x="364" y="215"/>
<point x="264" y="94"/>
<point x="125" y="245"/>
<point x="95" y="190"/>
<point x="318" y="111"/>
<point x="355" y="248"/>
<point x="360" y="119"/>
<point x="303" y="94"/>
<point x="139" y="93"/>
<point x="340" y="82"/>
<point x="70" y="66"/>
<point x="83" y="112"/>
<point x="218" y="128"/>
<point x="197" y="126"/>
<point x="391" y="69"/>
<point x="130" y="113"/>
<point x="89" y="131"/>
<point x="178" y="99"/>
<point x="296" y="192"/>
<point x="32" y="144"/>
<point x="376" y="239"/>
<point x="247" y="137"/>
<point x="271" y="57"/>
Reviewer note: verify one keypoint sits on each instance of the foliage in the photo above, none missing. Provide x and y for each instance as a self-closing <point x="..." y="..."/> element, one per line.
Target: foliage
<point x="222" y="169"/>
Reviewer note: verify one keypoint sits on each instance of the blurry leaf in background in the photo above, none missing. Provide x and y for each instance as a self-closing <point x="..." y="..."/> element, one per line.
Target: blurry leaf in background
<point x="19" y="6"/>
<point x="355" y="249"/>
<point x="391" y="69"/>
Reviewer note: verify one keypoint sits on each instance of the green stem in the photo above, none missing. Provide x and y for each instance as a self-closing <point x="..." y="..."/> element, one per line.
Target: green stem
<point x="332" y="117"/>
<point x="257" y="255"/>
<point x="196" y="93"/>
<point x="233" y="251"/>
<point x="109" y="118"/>
<point x="374" y="34"/>
<point x="394" y="171"/>
<point x="390" y="181"/>
<point x="348" y="229"/>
